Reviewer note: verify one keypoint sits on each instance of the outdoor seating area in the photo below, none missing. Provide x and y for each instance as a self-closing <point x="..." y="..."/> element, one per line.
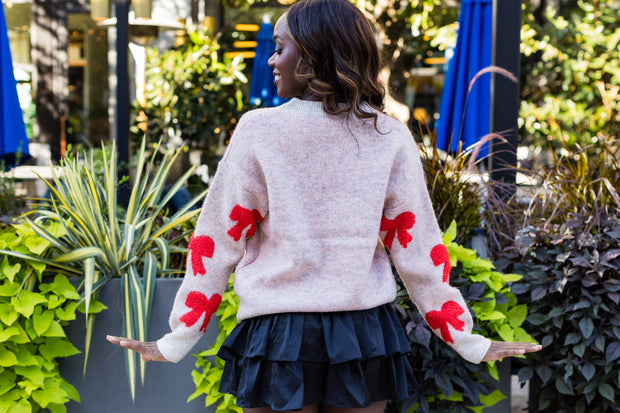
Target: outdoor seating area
<point x="114" y="117"/>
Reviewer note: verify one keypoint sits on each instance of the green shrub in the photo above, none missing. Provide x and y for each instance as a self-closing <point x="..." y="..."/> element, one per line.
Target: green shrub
<point x="33" y="311"/>
<point x="567" y="251"/>
<point x="443" y="379"/>
<point x="571" y="285"/>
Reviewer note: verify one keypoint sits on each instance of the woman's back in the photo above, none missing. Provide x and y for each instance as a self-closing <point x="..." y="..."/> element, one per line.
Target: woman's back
<point x="324" y="180"/>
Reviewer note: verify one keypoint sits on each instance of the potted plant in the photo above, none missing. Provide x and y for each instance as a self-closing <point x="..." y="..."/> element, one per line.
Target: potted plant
<point x="106" y="248"/>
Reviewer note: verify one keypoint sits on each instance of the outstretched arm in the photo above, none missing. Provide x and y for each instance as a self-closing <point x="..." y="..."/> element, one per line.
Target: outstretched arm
<point x="148" y="350"/>
<point x="500" y="349"/>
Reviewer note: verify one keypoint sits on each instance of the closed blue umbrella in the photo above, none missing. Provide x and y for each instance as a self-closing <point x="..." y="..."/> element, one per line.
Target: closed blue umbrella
<point x="464" y="114"/>
<point x="262" y="89"/>
<point x="13" y="139"/>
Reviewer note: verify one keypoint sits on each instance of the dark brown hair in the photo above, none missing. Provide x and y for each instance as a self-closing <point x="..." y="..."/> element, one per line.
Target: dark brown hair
<point x="339" y="56"/>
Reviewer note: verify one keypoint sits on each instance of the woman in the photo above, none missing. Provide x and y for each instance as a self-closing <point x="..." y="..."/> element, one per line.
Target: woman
<point x="305" y="202"/>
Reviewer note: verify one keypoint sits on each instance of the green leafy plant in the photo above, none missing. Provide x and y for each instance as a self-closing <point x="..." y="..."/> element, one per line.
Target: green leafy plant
<point x="193" y="94"/>
<point x="33" y="310"/>
<point x="567" y="250"/>
<point x="571" y="285"/>
<point x="103" y="240"/>
<point x="443" y="379"/>
<point x="208" y="373"/>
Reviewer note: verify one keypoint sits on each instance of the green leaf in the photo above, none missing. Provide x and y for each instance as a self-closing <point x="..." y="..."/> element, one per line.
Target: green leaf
<point x="66" y="313"/>
<point x="512" y="277"/>
<point x="493" y="315"/>
<point x="612" y="352"/>
<point x="7" y="357"/>
<point x="588" y="370"/>
<point x="586" y="326"/>
<point x="606" y="391"/>
<point x="25" y="357"/>
<point x="492" y="398"/>
<point x="71" y="391"/>
<point x="579" y="349"/>
<point x="7" y="314"/>
<point x="564" y="387"/>
<point x="34" y="373"/>
<point x="52" y="392"/>
<point x="95" y="307"/>
<point x="36" y="244"/>
<point x="22" y="406"/>
<point x="7" y="382"/>
<point x="42" y="320"/>
<point x="57" y="347"/>
<point x="26" y="301"/>
<point x="80" y="254"/>
<point x="8" y="270"/>
<point x="9" y="289"/>
<point x="506" y="333"/>
<point x="492" y="366"/>
<point x="55" y="330"/>
<point x="517" y="315"/>
<point x="22" y="337"/>
<point x="64" y="288"/>
<point x="9" y="333"/>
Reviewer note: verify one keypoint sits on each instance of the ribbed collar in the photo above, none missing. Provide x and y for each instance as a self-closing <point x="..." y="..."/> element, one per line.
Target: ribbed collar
<point x="309" y="107"/>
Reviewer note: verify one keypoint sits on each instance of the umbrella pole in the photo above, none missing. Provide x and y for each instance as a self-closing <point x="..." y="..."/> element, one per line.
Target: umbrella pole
<point x="122" y="96"/>
<point x="505" y="94"/>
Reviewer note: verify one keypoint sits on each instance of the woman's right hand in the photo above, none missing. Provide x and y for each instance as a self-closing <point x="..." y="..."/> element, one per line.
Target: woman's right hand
<point x="148" y="350"/>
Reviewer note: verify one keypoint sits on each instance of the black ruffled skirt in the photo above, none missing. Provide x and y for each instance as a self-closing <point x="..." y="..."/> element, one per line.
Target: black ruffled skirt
<point x="346" y="359"/>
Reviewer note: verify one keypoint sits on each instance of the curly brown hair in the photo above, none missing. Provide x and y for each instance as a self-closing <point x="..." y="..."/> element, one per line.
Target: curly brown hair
<point x="339" y="57"/>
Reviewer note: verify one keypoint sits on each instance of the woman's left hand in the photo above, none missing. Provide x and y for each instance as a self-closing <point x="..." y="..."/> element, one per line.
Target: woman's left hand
<point x="500" y="349"/>
<point x="148" y="350"/>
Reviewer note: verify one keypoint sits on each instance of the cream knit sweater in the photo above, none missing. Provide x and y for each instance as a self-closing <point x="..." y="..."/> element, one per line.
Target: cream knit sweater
<point x="298" y="204"/>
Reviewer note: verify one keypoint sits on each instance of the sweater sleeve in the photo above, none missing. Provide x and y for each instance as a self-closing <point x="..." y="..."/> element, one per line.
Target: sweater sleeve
<point x="410" y="231"/>
<point x="230" y="214"/>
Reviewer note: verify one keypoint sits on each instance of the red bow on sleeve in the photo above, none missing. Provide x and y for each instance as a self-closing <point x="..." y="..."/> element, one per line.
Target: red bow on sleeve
<point x="440" y="255"/>
<point x="245" y="218"/>
<point x="200" y="304"/>
<point x="200" y="246"/>
<point x="398" y="226"/>
<point x="439" y="320"/>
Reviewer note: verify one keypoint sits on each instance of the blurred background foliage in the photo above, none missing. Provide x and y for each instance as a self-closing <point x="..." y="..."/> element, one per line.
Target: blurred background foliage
<point x="570" y="80"/>
<point x="193" y="96"/>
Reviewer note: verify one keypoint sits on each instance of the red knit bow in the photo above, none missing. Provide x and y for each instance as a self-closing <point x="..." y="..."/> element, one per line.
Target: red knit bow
<point x="245" y="218"/>
<point x="448" y="315"/>
<point x="200" y="246"/>
<point x="439" y="255"/>
<point x="200" y="304"/>
<point x="399" y="225"/>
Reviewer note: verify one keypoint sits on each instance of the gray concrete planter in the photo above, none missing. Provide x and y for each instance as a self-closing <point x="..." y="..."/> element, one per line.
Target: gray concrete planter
<point x="105" y="386"/>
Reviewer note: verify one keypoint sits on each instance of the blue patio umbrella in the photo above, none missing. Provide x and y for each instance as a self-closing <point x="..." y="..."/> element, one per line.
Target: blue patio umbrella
<point x="13" y="139"/>
<point x="464" y="114"/>
<point x="262" y="90"/>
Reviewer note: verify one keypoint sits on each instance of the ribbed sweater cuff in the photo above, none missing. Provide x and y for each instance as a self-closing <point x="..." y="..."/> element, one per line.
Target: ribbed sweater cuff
<point x="474" y="348"/>
<point x="170" y="351"/>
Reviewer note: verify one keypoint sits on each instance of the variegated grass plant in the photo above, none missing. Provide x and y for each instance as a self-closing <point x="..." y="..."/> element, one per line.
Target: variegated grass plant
<point x="104" y="240"/>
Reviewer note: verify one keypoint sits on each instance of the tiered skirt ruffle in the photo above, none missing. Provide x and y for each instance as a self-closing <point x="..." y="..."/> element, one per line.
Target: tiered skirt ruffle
<point x="289" y="360"/>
